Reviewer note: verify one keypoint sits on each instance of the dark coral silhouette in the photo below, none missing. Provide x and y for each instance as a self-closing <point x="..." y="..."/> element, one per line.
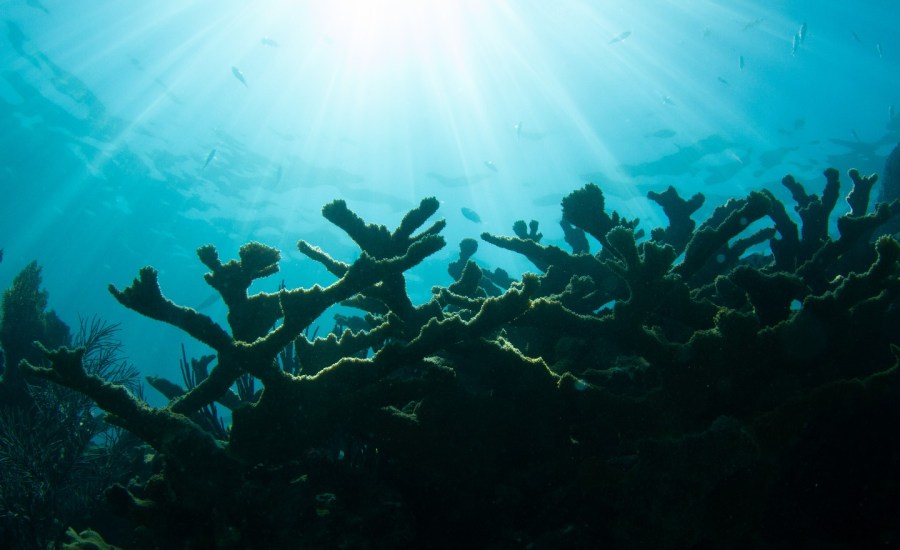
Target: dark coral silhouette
<point x="613" y="391"/>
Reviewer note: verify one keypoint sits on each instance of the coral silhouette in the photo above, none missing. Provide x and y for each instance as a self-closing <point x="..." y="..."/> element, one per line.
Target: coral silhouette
<point x="704" y="381"/>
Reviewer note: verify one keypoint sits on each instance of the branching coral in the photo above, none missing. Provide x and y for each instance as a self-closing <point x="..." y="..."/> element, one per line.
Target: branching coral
<point x="530" y="412"/>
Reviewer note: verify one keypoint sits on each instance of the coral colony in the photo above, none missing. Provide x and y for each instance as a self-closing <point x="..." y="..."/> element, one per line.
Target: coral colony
<point x="728" y="383"/>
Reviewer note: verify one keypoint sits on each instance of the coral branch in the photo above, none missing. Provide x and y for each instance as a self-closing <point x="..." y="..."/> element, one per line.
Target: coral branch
<point x="858" y="198"/>
<point x="173" y="434"/>
<point x="679" y="211"/>
<point x="145" y="297"/>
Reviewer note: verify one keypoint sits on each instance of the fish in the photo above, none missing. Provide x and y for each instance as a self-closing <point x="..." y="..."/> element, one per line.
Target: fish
<point x="37" y="5"/>
<point x="741" y="62"/>
<point x="855" y="37"/>
<point x="890" y="112"/>
<point x="878" y="49"/>
<point x="734" y="156"/>
<point x="490" y="164"/>
<point x="801" y="33"/>
<point x="470" y="214"/>
<point x="664" y="133"/>
<point x="208" y="301"/>
<point x="855" y="135"/>
<point x="620" y="37"/>
<point x="278" y="173"/>
<point x="209" y="158"/>
<point x="239" y="75"/>
<point x="1" y="254"/>
<point x="723" y="81"/>
<point x="795" y="44"/>
<point x="753" y="24"/>
<point x="269" y="42"/>
<point x="667" y="100"/>
<point x="533" y="136"/>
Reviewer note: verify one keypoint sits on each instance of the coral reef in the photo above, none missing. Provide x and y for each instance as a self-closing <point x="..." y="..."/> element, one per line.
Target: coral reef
<point x="57" y="456"/>
<point x="712" y="398"/>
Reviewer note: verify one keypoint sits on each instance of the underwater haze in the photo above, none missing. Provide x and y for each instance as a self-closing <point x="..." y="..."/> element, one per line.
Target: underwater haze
<point x="135" y="132"/>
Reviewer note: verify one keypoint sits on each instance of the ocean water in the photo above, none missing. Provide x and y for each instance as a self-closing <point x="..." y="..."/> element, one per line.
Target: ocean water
<point x="131" y="133"/>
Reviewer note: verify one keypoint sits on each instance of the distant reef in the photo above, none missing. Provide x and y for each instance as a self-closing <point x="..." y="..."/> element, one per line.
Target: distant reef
<point x="730" y="383"/>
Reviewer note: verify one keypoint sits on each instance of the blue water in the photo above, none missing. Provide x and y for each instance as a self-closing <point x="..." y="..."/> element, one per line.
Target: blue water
<point x="109" y="110"/>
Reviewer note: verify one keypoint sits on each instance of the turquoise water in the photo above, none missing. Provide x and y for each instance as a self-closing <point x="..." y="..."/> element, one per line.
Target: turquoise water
<point x="110" y="112"/>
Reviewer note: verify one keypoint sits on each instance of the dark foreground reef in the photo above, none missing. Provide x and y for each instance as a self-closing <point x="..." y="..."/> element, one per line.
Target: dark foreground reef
<point x="732" y="384"/>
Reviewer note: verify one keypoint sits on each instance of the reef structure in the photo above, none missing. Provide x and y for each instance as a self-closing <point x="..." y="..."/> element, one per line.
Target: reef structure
<point x="716" y="381"/>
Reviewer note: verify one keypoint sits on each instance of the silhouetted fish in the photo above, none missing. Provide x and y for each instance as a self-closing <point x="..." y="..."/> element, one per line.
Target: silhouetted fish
<point x="269" y="42"/>
<point x="753" y="24"/>
<point x="208" y="301"/>
<point x="209" y="157"/>
<point x="239" y="75"/>
<point x="490" y="164"/>
<point x="620" y="37"/>
<point x="801" y="34"/>
<point x="856" y="37"/>
<point x="470" y="214"/>
<point x="741" y="62"/>
<point x="664" y="133"/>
<point x="38" y="5"/>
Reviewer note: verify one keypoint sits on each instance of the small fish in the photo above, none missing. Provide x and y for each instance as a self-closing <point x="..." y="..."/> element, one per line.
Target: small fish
<point x="795" y="44"/>
<point x="209" y="158"/>
<point x="855" y="37"/>
<point x="664" y="133"/>
<point x="239" y="75"/>
<point x="723" y="81"/>
<point x="490" y="164"/>
<point x="208" y="301"/>
<point x="620" y="37"/>
<point x="38" y="5"/>
<point x="470" y="214"/>
<point x="518" y="128"/>
<point x="741" y="62"/>
<point x="753" y="24"/>
<point x="855" y="135"/>
<point x="801" y="34"/>
<point x="269" y="42"/>
<point x="707" y="32"/>
<point x="1" y="254"/>
<point x="734" y="156"/>
<point x="890" y="112"/>
<point x="668" y="100"/>
<point x="878" y="49"/>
